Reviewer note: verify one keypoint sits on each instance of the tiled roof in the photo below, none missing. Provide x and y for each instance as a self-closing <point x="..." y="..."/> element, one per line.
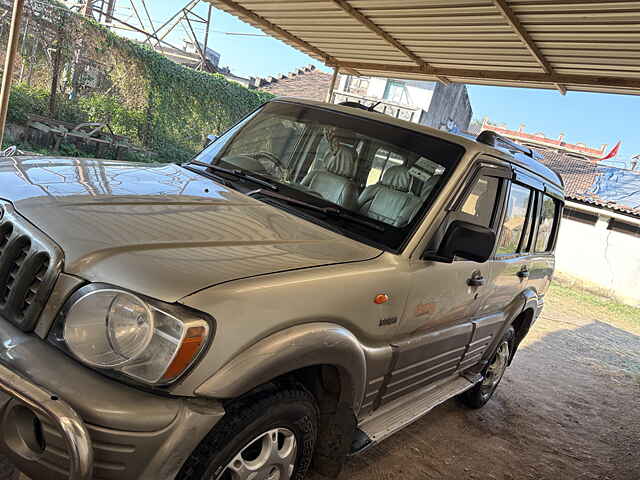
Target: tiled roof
<point x="597" y="184"/>
<point x="307" y="82"/>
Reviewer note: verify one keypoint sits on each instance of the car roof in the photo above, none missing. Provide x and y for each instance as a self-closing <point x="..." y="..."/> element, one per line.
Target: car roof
<point x="470" y="144"/>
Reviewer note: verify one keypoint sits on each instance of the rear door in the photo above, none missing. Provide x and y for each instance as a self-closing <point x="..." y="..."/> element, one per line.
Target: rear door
<point x="515" y="266"/>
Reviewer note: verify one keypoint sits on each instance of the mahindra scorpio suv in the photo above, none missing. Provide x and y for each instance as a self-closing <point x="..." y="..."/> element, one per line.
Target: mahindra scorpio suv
<point x="319" y="277"/>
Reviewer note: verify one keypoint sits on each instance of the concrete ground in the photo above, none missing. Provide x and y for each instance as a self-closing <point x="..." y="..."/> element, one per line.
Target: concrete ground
<point x="568" y="408"/>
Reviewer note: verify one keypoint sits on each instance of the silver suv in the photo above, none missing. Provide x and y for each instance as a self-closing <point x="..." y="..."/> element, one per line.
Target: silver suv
<point x="317" y="278"/>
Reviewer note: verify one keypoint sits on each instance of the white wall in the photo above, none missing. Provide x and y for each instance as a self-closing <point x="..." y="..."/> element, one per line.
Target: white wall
<point x="602" y="257"/>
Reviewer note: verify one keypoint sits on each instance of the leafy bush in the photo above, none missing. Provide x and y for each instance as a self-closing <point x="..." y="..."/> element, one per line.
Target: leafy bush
<point x="107" y="109"/>
<point x="25" y="101"/>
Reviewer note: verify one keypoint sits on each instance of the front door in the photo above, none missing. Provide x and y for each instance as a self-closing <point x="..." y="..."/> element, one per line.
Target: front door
<point x="437" y="327"/>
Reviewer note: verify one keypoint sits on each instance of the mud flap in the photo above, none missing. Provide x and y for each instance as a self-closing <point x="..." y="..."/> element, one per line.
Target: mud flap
<point x="335" y="435"/>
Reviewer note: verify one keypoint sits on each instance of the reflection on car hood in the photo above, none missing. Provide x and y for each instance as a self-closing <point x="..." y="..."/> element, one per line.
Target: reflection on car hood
<point x="161" y="230"/>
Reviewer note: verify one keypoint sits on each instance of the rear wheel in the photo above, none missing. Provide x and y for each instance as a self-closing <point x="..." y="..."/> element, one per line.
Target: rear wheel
<point x="482" y="392"/>
<point x="270" y="436"/>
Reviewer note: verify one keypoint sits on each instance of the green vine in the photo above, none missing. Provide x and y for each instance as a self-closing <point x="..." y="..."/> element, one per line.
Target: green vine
<point x="158" y="104"/>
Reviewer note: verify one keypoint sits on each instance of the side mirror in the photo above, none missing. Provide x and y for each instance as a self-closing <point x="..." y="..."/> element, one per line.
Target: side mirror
<point x="211" y="138"/>
<point x="465" y="240"/>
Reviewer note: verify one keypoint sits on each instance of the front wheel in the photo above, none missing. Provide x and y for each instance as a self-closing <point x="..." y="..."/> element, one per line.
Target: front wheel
<point x="270" y="436"/>
<point x="481" y="393"/>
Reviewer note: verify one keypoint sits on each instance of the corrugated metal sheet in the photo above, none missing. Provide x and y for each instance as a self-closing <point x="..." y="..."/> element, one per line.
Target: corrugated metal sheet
<point x="582" y="45"/>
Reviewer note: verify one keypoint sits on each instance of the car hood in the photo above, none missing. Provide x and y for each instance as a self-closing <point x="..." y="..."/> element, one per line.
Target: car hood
<point x="161" y="230"/>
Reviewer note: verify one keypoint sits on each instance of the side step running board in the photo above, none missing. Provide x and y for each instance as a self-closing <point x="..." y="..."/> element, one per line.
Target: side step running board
<point x="396" y="415"/>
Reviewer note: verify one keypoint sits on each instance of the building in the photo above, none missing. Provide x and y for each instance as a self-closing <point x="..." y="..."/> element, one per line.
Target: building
<point x="427" y="103"/>
<point x="599" y="241"/>
<point x="445" y="107"/>
<point x="306" y="82"/>
<point x="541" y="142"/>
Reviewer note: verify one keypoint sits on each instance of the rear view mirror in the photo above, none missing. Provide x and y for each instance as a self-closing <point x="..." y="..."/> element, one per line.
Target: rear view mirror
<point x="466" y="240"/>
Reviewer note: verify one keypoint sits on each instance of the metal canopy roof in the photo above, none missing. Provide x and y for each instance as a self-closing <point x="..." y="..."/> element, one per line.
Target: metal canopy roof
<point x="582" y="45"/>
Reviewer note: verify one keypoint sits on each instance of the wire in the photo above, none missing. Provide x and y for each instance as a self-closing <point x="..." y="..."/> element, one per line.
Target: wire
<point x="238" y="33"/>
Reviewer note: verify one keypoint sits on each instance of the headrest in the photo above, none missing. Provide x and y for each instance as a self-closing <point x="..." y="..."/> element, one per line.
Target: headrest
<point x="398" y="178"/>
<point x="342" y="163"/>
<point x="339" y="134"/>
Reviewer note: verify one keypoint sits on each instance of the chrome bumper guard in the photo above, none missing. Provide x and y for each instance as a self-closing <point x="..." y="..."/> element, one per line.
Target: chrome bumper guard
<point x="64" y="417"/>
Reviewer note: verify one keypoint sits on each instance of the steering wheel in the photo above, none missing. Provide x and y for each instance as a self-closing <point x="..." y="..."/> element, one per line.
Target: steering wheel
<point x="277" y="163"/>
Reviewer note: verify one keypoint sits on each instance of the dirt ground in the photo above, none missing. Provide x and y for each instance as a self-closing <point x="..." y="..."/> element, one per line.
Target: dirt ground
<point x="568" y="408"/>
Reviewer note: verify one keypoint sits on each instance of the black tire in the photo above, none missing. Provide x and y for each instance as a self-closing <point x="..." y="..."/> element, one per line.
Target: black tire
<point x="292" y="408"/>
<point x="480" y="394"/>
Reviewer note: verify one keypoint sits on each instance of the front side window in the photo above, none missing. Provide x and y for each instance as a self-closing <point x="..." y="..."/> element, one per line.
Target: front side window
<point x="478" y="207"/>
<point x="514" y="220"/>
<point x="545" y="228"/>
<point x="373" y="171"/>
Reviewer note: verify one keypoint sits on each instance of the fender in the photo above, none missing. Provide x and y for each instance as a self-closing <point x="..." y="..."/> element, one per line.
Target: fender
<point x="531" y="301"/>
<point x="297" y="347"/>
<point x="527" y="299"/>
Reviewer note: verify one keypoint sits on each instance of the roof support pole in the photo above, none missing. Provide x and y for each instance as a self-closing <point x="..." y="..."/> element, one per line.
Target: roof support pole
<point x="332" y="85"/>
<point x="7" y="77"/>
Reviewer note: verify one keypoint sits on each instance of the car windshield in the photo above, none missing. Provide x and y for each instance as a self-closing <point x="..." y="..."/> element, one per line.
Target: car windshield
<point x="363" y="169"/>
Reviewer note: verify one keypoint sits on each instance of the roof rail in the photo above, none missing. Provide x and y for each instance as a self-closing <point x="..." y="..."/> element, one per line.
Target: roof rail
<point x="498" y="141"/>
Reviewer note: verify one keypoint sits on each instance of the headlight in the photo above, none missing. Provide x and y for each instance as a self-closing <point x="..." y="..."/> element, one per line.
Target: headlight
<point x="112" y="329"/>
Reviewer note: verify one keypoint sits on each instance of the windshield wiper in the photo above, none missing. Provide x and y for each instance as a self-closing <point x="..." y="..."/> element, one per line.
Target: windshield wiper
<point x="236" y="172"/>
<point x="209" y="175"/>
<point x="329" y="211"/>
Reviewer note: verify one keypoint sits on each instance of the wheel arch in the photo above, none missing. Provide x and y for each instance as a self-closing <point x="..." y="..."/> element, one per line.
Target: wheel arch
<point x="522" y="323"/>
<point x="326" y="359"/>
<point x="292" y="350"/>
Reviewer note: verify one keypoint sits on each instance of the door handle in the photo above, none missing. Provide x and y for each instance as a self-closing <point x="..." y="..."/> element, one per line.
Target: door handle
<point x="524" y="273"/>
<point x="476" y="280"/>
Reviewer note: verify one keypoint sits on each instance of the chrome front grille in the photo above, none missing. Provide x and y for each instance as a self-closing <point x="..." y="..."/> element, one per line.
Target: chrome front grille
<point x="29" y="266"/>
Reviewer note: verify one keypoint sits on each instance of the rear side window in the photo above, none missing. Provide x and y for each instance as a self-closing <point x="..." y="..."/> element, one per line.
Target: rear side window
<point x="515" y="220"/>
<point x="544" y="238"/>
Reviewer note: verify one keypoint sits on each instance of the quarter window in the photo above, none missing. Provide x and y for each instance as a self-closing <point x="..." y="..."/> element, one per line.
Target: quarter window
<point x="545" y="229"/>
<point x="479" y="205"/>
<point x="514" y="220"/>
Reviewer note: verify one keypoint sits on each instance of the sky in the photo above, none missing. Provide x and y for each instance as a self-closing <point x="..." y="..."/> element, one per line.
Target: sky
<point x="590" y="118"/>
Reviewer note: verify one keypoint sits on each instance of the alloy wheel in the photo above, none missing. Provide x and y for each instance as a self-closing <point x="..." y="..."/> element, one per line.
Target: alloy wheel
<point x="496" y="369"/>
<point x="270" y="456"/>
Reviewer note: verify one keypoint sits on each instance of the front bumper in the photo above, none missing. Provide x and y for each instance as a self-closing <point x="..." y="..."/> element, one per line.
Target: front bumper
<point x="60" y="420"/>
<point x="45" y="404"/>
